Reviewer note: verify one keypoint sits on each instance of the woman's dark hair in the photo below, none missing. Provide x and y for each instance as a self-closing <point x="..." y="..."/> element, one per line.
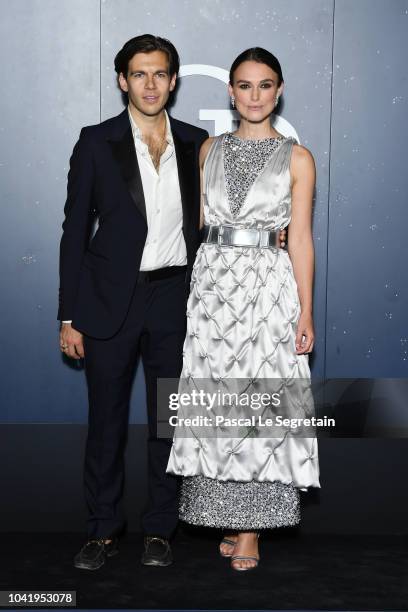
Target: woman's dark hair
<point x="262" y="56"/>
<point x="145" y="44"/>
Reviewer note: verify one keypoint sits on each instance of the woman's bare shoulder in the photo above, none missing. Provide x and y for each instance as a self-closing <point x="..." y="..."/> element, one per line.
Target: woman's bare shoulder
<point x="300" y="153"/>
<point x="302" y="160"/>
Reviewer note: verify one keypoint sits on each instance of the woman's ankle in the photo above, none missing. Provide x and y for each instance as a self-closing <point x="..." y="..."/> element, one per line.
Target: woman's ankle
<point x="249" y="534"/>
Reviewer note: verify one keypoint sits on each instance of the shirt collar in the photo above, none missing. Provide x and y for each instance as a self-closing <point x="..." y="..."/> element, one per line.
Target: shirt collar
<point x="137" y="134"/>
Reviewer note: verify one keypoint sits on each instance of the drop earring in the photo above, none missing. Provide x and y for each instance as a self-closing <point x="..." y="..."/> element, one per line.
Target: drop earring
<point x="232" y="101"/>
<point x="277" y="101"/>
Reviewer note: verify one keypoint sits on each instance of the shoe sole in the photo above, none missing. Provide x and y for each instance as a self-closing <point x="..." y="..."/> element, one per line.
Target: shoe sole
<point x="86" y="567"/>
<point x="154" y="563"/>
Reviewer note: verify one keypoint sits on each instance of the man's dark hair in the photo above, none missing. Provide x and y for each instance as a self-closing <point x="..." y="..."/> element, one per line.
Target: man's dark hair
<point x="262" y="56"/>
<point x="146" y="43"/>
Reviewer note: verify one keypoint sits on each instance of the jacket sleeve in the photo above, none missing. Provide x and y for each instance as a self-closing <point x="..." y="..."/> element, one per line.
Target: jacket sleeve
<point x="77" y="224"/>
<point x="203" y="136"/>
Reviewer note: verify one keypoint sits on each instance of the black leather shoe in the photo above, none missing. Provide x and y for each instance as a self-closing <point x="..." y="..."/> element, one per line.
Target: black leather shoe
<point x="157" y="551"/>
<point x="93" y="554"/>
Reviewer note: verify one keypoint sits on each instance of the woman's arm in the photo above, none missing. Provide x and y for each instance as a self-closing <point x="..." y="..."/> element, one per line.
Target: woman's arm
<point x="300" y="242"/>
<point x="205" y="147"/>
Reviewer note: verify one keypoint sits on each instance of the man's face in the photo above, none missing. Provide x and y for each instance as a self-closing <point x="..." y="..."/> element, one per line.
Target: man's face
<point x="148" y="83"/>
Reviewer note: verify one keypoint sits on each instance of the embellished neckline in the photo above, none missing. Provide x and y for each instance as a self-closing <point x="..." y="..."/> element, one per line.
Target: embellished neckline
<point x="255" y="139"/>
<point x="244" y="161"/>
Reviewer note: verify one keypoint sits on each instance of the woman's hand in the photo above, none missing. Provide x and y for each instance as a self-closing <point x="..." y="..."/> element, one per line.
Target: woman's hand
<point x="305" y="328"/>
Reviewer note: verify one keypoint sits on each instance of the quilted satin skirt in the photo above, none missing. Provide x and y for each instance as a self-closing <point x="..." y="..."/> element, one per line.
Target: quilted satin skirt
<point x="242" y="317"/>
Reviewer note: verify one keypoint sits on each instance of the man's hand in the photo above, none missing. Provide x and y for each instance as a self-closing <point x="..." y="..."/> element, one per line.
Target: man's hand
<point x="282" y="237"/>
<point x="71" y="342"/>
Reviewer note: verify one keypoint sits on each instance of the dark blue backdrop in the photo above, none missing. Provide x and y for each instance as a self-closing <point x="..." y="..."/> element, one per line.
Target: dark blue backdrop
<point x="344" y="64"/>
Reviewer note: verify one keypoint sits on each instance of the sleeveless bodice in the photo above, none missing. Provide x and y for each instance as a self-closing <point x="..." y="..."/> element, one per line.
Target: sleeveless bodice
<point x="247" y="182"/>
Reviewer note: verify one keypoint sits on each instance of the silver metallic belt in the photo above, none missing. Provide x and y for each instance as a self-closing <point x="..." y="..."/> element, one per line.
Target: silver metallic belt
<point x="228" y="235"/>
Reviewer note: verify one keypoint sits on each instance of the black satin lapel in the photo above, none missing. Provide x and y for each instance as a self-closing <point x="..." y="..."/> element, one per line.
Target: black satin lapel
<point x="124" y="154"/>
<point x="185" y="166"/>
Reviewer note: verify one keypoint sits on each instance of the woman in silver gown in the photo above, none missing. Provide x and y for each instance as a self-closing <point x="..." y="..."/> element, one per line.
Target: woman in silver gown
<point x="250" y="321"/>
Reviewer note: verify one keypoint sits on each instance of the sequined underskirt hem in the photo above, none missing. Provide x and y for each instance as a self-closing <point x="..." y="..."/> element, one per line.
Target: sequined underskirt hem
<point x="238" y="505"/>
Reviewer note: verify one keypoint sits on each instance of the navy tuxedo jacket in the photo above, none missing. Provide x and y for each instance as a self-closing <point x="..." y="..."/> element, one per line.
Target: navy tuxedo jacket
<point x="98" y="276"/>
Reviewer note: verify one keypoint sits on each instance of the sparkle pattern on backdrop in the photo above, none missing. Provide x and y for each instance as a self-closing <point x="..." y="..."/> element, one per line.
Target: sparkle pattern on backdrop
<point x="341" y="122"/>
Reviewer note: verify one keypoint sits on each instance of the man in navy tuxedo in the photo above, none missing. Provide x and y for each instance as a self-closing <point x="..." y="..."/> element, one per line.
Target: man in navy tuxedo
<point x="123" y="292"/>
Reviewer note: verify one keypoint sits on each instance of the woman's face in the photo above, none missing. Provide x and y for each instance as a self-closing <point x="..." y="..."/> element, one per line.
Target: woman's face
<point x="255" y="89"/>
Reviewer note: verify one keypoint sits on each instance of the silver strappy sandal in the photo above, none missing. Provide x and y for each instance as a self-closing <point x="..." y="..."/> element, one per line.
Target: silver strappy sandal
<point x="244" y="558"/>
<point x="227" y="541"/>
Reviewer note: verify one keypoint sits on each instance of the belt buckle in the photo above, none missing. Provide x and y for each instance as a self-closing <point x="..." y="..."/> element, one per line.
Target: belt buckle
<point x="245" y="237"/>
<point x="263" y="238"/>
<point x="259" y="236"/>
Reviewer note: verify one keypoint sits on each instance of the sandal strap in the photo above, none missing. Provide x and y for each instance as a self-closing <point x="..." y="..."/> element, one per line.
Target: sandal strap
<point x="243" y="558"/>
<point x="228" y="541"/>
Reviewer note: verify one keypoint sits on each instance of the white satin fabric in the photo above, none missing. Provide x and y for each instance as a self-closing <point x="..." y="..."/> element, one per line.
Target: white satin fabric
<point x="242" y="314"/>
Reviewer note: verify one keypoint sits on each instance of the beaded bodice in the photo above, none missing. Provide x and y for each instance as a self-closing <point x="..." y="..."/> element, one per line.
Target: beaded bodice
<point x="244" y="160"/>
<point x="247" y="182"/>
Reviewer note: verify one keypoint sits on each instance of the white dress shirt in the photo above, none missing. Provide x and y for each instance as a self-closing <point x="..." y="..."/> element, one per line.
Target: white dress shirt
<point x="165" y="244"/>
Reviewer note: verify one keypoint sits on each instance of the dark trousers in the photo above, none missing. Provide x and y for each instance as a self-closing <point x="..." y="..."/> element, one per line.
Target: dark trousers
<point x="155" y="328"/>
